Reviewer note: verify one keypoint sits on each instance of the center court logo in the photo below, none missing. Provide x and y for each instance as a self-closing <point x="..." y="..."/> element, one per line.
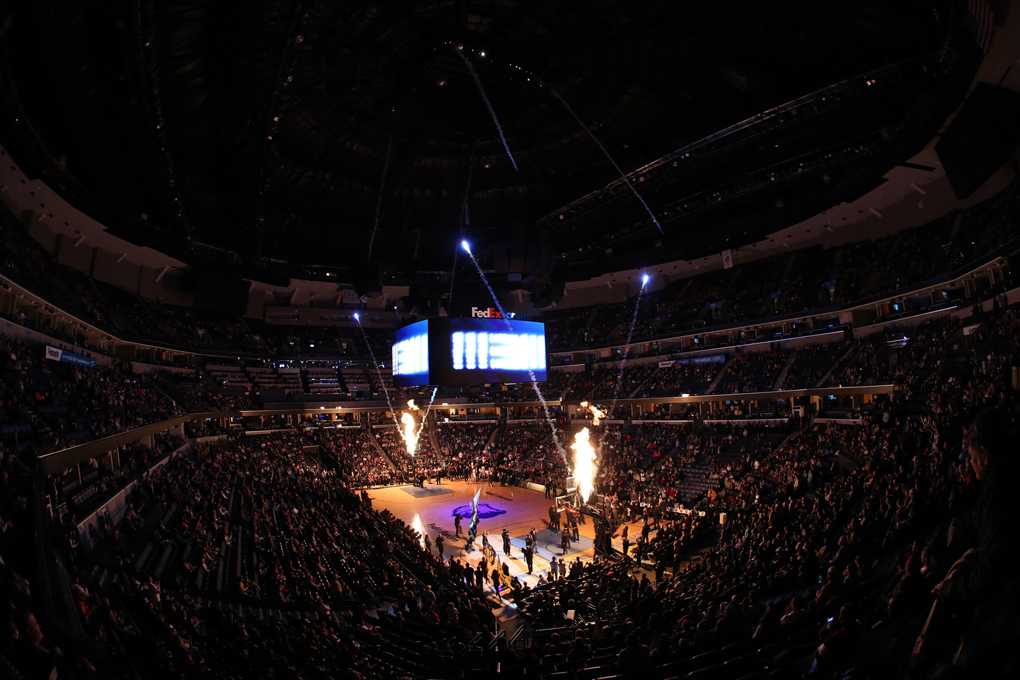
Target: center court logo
<point x="489" y="313"/>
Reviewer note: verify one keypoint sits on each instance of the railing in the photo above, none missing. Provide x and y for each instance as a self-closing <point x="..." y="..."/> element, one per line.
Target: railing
<point x="58" y="461"/>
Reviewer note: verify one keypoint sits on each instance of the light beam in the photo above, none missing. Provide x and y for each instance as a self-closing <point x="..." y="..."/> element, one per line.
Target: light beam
<point x="531" y="373"/>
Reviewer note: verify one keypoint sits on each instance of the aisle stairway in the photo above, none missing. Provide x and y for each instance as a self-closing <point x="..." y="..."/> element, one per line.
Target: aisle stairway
<point x="781" y="378"/>
<point x="374" y="443"/>
<point x="839" y="363"/>
<point x="720" y="375"/>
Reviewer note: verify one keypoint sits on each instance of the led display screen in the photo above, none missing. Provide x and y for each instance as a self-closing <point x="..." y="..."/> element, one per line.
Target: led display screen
<point x="410" y="355"/>
<point x="474" y="351"/>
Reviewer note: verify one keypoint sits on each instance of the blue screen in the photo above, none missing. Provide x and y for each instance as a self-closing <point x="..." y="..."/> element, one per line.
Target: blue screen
<point x="495" y="350"/>
<point x="459" y="352"/>
<point x="410" y="355"/>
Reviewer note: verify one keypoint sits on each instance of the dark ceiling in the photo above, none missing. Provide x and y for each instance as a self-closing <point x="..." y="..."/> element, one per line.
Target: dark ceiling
<point x="295" y="129"/>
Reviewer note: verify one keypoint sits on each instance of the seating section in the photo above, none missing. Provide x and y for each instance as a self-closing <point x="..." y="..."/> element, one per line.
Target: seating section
<point x="752" y="372"/>
<point x="277" y="380"/>
<point x="356" y="380"/>
<point x="232" y="377"/>
<point x="800" y="281"/>
<point x="832" y="544"/>
<point x="323" y="380"/>
<point x="811" y="364"/>
<point x="270" y="556"/>
<point x="66" y="404"/>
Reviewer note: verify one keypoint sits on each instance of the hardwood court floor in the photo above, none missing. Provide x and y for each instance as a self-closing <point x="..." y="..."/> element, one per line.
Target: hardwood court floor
<point x="524" y="509"/>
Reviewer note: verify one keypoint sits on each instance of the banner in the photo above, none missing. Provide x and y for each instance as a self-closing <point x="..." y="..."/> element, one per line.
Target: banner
<point x="62" y="355"/>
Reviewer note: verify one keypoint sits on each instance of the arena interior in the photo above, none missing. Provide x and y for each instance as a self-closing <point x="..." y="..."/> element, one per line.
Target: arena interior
<point x="451" y="340"/>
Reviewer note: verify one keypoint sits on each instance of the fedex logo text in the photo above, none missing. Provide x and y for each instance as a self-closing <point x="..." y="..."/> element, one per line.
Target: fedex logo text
<point x="489" y="313"/>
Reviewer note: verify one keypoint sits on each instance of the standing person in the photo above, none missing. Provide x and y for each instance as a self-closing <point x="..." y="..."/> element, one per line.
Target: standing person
<point x="574" y="530"/>
<point x="494" y="577"/>
<point x="534" y="540"/>
<point x="439" y="546"/>
<point x="428" y="544"/>
<point x="529" y="557"/>
<point x="480" y="576"/>
<point x="626" y="547"/>
<point x="506" y="541"/>
<point x="565" y="542"/>
<point x="554" y="519"/>
<point x="456" y="523"/>
<point x="554" y="566"/>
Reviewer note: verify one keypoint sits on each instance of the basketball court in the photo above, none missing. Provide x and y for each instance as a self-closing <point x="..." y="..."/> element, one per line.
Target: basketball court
<point x="431" y="509"/>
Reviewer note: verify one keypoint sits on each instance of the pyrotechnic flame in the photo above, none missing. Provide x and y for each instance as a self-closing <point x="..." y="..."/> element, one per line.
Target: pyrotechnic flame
<point x="411" y="405"/>
<point x="597" y="414"/>
<point x="584" y="464"/>
<point x="419" y="529"/>
<point x="409" y="433"/>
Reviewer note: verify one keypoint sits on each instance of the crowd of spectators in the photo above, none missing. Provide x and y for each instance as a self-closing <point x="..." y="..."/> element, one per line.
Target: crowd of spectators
<point x="252" y="557"/>
<point x="463" y="447"/>
<point x="836" y="544"/>
<point x="832" y="538"/>
<point x="356" y="460"/>
<point x="67" y="403"/>
<point x="811" y="364"/>
<point x="527" y="451"/>
<point x="752" y="372"/>
<point x="800" y="281"/>
<point x="81" y="489"/>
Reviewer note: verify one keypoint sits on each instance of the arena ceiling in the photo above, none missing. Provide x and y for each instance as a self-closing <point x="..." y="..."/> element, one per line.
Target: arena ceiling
<point x="314" y="131"/>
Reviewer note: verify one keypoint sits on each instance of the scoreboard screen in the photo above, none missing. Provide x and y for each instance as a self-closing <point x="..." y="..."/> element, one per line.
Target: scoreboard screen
<point x="459" y="352"/>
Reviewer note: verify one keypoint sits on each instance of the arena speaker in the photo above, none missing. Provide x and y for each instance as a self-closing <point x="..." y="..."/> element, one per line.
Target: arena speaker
<point x="981" y="139"/>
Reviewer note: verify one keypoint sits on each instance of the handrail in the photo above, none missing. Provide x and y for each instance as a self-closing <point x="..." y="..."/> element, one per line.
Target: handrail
<point x="58" y="461"/>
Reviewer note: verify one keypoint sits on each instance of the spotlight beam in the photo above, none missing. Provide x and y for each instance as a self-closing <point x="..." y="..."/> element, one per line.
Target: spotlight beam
<point x="488" y="105"/>
<point x="609" y="157"/>
<point x="466" y="247"/>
